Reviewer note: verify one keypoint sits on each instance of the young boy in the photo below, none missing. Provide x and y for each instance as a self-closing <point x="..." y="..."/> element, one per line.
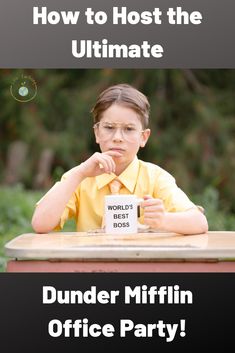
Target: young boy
<point x="121" y="116"/>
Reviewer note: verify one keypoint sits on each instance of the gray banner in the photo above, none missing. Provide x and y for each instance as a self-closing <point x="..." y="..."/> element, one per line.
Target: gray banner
<point x="208" y="44"/>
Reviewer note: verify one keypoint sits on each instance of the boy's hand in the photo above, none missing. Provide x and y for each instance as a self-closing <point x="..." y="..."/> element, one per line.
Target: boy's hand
<point x="154" y="212"/>
<point x="99" y="163"/>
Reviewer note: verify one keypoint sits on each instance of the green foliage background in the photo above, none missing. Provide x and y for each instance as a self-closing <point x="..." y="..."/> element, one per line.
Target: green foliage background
<point x="192" y="123"/>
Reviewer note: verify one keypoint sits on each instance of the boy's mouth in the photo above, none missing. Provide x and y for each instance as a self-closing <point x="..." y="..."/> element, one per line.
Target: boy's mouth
<point x="117" y="149"/>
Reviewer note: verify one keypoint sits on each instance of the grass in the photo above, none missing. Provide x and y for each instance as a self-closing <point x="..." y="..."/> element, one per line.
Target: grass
<point x="17" y="206"/>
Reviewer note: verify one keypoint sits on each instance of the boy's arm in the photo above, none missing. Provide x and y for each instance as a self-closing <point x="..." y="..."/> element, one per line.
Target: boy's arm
<point x="187" y="222"/>
<point x="48" y="212"/>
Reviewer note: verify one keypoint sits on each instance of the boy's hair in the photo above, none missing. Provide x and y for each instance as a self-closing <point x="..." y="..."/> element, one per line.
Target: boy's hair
<point x="125" y="95"/>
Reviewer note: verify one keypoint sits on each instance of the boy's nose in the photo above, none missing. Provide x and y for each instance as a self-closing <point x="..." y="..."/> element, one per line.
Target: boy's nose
<point x="118" y="135"/>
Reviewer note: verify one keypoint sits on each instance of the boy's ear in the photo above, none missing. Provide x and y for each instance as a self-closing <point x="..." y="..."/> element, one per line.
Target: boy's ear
<point x="145" y="136"/>
<point x="96" y="135"/>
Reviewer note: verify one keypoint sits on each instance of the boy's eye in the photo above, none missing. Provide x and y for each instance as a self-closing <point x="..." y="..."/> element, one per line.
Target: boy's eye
<point x="109" y="127"/>
<point x="129" y="128"/>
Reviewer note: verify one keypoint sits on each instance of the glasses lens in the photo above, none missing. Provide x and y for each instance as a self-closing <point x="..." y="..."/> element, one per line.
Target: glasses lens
<point x="107" y="130"/>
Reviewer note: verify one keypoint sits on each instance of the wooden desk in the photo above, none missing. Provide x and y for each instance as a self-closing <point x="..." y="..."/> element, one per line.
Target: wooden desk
<point x="143" y="252"/>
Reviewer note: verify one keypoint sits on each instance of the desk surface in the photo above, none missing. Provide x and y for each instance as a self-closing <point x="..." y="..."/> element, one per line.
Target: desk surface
<point x="139" y="247"/>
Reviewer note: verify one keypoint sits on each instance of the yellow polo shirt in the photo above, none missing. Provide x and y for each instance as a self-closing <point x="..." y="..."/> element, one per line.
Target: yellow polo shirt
<point x="140" y="178"/>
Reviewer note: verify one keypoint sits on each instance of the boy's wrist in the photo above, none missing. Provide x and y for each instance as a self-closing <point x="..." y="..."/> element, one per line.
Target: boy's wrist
<point x="79" y="172"/>
<point x="165" y="222"/>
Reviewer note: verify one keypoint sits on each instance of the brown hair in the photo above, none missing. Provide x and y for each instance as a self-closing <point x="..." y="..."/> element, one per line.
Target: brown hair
<point x="126" y="95"/>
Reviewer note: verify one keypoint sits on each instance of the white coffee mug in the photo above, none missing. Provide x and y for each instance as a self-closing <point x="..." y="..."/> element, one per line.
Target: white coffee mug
<point x="121" y="214"/>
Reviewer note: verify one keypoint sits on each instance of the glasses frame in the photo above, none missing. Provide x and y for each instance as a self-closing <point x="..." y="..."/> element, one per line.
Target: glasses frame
<point x="96" y="125"/>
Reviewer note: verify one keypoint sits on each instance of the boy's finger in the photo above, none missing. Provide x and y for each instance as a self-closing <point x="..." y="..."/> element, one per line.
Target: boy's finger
<point x="106" y="164"/>
<point x="153" y="215"/>
<point x="147" y="197"/>
<point x="152" y="202"/>
<point x="103" y="165"/>
<point x="110" y="162"/>
<point x="153" y="208"/>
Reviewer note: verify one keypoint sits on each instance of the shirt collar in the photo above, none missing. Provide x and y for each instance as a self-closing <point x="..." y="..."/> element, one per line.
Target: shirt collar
<point x="128" y="177"/>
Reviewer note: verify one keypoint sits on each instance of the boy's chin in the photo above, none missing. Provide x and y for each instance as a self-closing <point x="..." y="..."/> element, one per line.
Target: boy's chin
<point x="116" y="158"/>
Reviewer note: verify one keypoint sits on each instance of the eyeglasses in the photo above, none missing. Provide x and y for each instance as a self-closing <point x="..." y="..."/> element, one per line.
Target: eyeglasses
<point x="107" y="130"/>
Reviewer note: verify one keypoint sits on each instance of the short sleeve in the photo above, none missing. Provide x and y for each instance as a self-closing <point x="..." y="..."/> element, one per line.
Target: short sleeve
<point x="71" y="209"/>
<point x="174" y="199"/>
<point x="69" y="212"/>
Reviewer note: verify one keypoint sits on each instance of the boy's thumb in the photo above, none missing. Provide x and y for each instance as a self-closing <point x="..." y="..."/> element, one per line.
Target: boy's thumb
<point x="147" y="197"/>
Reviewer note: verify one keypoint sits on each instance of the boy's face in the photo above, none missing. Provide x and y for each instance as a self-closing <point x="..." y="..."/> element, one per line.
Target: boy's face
<point x="120" y="130"/>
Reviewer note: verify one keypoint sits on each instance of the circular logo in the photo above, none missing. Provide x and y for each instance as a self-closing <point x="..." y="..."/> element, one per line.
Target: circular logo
<point x="23" y="88"/>
<point x="23" y="91"/>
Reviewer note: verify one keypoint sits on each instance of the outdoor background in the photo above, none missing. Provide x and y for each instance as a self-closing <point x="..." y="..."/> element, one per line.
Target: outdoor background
<point x="192" y="122"/>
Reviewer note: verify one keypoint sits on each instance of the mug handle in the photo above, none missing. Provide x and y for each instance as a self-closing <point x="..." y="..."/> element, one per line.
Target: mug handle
<point x="141" y="227"/>
<point x="139" y="200"/>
